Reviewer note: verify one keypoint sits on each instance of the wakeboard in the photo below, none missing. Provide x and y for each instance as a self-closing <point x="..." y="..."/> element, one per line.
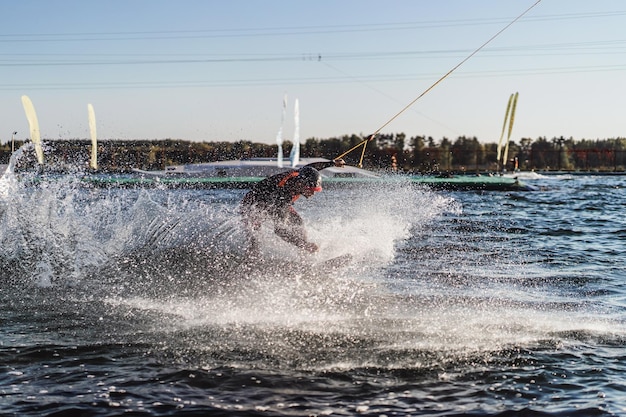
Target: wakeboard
<point x="334" y="264"/>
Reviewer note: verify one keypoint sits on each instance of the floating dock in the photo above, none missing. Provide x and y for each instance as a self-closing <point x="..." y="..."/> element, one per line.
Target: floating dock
<point x="474" y="182"/>
<point x="453" y="183"/>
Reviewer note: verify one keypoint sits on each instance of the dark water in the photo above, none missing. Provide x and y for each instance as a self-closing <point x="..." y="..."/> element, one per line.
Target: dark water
<point x="138" y="302"/>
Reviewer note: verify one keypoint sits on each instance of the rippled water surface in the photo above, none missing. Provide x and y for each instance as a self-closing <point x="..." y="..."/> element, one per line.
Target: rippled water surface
<point x="139" y="302"/>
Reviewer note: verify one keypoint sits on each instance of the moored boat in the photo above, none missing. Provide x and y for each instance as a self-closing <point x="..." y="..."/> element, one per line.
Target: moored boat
<point x="252" y="167"/>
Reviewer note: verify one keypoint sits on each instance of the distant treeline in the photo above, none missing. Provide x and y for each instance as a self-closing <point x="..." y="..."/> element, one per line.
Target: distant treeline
<point x="386" y="151"/>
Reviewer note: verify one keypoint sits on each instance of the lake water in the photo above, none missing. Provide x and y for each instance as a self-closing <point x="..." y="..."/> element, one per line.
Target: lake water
<point x="138" y="302"/>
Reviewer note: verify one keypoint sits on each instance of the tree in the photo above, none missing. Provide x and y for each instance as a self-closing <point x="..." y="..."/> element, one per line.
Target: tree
<point x="416" y="149"/>
<point x="468" y="152"/>
<point x="525" y="152"/>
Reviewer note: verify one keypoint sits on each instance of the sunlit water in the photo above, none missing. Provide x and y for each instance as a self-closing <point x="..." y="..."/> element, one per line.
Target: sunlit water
<point x="139" y="302"/>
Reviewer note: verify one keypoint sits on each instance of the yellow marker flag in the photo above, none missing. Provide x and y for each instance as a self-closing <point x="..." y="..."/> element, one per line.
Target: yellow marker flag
<point x="33" y="124"/>
<point x="512" y="119"/>
<point x="506" y="116"/>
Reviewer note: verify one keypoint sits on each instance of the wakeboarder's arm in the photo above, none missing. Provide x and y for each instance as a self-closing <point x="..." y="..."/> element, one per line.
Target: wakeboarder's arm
<point x="297" y="239"/>
<point x="325" y="164"/>
<point x="292" y="231"/>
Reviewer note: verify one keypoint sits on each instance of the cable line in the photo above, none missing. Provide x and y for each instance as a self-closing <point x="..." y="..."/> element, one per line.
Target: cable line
<point x="373" y="135"/>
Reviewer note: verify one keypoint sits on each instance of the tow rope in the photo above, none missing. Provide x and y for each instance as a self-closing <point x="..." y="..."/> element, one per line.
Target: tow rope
<point x="373" y="135"/>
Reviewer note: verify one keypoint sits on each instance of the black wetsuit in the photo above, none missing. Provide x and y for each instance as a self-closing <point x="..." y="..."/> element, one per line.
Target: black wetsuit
<point x="272" y="200"/>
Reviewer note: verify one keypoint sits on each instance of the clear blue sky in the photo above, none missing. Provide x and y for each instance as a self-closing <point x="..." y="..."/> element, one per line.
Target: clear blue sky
<point x="218" y="70"/>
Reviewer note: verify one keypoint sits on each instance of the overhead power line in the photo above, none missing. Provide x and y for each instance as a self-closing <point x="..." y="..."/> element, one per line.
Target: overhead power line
<point x="287" y="30"/>
<point x="617" y="46"/>
<point x="248" y="82"/>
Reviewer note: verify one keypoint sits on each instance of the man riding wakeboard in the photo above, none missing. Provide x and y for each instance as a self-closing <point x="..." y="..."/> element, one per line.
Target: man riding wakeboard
<point x="272" y="200"/>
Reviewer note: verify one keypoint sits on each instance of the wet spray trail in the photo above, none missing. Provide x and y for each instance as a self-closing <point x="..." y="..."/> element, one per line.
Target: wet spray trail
<point x="141" y="301"/>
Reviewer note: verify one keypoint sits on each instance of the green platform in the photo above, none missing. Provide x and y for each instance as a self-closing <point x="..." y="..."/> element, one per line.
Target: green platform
<point x="460" y="182"/>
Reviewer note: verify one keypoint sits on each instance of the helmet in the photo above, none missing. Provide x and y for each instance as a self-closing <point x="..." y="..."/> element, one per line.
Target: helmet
<point x="310" y="178"/>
